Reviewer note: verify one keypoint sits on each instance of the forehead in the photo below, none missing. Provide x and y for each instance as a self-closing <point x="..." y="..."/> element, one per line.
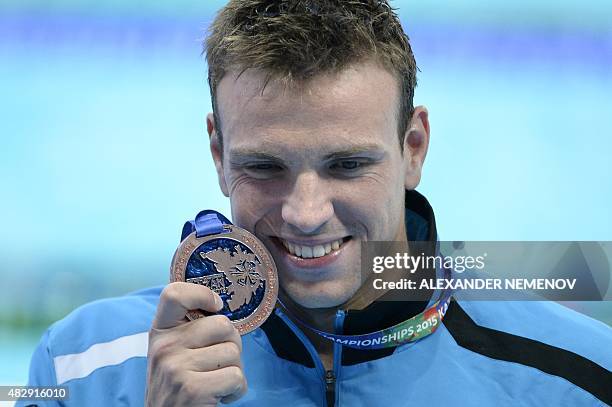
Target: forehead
<point x="355" y="106"/>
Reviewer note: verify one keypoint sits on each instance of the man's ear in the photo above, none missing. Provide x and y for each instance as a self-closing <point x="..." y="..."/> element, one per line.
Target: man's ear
<point x="416" y="143"/>
<point x="216" y="152"/>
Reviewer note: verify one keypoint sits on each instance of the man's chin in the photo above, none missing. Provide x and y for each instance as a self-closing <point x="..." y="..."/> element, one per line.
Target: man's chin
<point x="318" y="298"/>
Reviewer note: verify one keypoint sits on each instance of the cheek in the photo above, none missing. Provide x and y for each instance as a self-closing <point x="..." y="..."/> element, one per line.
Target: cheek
<point x="251" y="201"/>
<point x="377" y="205"/>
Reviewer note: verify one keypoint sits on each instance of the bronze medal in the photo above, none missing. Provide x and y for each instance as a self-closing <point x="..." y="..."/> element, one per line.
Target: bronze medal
<point x="237" y="266"/>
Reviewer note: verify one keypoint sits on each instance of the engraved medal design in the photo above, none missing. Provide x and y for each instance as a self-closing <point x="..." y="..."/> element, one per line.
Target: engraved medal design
<point x="237" y="266"/>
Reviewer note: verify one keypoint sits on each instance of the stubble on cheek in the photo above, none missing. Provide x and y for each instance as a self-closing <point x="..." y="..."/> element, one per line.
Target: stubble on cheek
<point x="252" y="203"/>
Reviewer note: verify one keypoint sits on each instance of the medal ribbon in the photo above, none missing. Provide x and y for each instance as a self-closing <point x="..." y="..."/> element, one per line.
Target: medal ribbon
<point x="411" y="330"/>
<point x="207" y="222"/>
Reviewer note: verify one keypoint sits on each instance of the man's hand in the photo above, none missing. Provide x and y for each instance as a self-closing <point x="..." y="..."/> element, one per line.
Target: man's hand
<point x="192" y="362"/>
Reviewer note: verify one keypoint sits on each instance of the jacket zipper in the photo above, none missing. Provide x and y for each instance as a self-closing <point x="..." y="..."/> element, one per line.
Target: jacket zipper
<point x="332" y="376"/>
<point x="330" y="382"/>
<point x="330" y="388"/>
<point x="311" y="350"/>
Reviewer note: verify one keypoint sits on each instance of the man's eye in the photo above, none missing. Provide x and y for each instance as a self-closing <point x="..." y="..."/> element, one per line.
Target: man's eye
<point x="263" y="171"/>
<point x="347" y="165"/>
<point x="262" y="167"/>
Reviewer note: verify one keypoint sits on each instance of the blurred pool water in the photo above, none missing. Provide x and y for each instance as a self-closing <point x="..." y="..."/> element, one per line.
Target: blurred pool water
<point x="16" y="348"/>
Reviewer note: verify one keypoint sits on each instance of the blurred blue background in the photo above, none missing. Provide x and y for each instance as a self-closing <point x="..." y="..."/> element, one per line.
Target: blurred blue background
<point x="104" y="152"/>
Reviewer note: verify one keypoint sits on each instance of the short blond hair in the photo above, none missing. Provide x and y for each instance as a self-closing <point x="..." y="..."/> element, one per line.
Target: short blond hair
<point x="296" y="40"/>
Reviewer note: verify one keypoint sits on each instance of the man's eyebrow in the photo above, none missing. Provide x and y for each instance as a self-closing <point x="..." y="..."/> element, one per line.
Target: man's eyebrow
<point x="356" y="150"/>
<point x="243" y="155"/>
<point x="238" y="156"/>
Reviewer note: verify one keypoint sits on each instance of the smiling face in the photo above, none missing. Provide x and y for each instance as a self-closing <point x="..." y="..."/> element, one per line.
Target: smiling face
<point x="313" y="171"/>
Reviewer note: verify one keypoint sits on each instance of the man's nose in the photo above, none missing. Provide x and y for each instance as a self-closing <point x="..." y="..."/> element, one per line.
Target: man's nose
<point x="307" y="206"/>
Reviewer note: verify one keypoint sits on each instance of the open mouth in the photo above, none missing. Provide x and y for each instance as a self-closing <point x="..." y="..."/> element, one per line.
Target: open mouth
<point x="312" y="252"/>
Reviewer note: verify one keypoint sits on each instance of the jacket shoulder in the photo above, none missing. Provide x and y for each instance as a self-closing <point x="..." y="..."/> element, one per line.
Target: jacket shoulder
<point x="104" y="320"/>
<point x="546" y="322"/>
<point x="544" y="337"/>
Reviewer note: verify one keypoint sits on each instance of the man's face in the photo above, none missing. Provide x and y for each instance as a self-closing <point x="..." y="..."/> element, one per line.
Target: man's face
<point x="313" y="172"/>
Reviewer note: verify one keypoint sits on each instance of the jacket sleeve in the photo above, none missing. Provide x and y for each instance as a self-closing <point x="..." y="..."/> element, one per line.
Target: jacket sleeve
<point x="42" y="373"/>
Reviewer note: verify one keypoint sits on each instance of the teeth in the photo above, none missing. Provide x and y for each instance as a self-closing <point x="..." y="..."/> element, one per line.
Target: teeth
<point x="318" y="251"/>
<point x="308" y="252"/>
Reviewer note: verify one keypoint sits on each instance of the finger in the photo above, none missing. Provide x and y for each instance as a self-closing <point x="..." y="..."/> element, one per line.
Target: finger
<point x="179" y="297"/>
<point x="228" y="383"/>
<point x="208" y="331"/>
<point x="215" y="357"/>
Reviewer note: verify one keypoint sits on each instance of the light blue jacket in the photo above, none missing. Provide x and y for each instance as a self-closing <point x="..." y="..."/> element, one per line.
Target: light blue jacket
<point x="484" y="354"/>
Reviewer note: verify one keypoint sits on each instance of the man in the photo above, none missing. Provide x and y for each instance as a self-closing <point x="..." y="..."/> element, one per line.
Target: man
<point x="317" y="144"/>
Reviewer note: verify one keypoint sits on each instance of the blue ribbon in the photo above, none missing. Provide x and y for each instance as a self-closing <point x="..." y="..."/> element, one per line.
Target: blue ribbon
<point x="207" y="222"/>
